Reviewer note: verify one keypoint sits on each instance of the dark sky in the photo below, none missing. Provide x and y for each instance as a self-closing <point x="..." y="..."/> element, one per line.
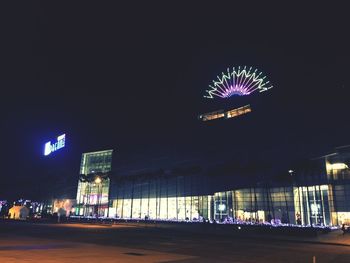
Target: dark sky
<point x="131" y="77"/>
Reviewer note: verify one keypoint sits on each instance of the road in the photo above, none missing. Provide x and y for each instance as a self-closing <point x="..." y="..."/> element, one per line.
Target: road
<point x="38" y="242"/>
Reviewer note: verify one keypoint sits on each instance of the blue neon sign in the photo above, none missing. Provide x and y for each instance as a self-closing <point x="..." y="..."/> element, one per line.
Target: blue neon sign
<point x="49" y="148"/>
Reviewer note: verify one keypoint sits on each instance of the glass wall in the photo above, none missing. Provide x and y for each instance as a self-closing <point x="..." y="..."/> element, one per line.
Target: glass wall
<point x="96" y="162"/>
<point x="312" y="205"/>
<point x="316" y="198"/>
<point x="92" y="198"/>
<point x="171" y="208"/>
<point x="93" y="185"/>
<point x="159" y="197"/>
<point x="169" y="199"/>
<point x="255" y="205"/>
<point x="340" y="210"/>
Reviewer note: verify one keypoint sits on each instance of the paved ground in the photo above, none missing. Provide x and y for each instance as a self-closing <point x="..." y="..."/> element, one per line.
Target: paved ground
<point x="27" y="242"/>
<point x="21" y="249"/>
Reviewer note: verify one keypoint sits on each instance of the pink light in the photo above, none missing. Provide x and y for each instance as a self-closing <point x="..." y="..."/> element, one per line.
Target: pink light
<point x="238" y="90"/>
<point x="238" y="82"/>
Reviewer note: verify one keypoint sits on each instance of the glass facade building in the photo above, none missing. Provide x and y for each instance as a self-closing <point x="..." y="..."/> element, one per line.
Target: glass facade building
<point x="93" y="185"/>
<point x="318" y="194"/>
<point x="160" y="197"/>
<point x="287" y="205"/>
<point x="96" y="162"/>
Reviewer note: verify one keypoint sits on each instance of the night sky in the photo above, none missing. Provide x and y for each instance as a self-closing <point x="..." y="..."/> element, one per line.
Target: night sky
<point x="132" y="78"/>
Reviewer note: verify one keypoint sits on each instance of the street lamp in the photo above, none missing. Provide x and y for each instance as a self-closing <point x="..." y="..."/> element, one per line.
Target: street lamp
<point x="98" y="181"/>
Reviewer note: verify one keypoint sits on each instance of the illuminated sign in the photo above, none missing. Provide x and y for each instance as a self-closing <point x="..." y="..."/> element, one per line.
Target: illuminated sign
<point x="49" y="148"/>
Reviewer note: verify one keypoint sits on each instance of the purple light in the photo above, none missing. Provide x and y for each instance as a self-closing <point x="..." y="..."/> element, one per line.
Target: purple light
<point x="240" y="82"/>
<point x="235" y="90"/>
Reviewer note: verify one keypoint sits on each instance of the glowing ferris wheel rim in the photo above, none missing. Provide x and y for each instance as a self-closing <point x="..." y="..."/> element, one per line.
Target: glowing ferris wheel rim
<point x="238" y="81"/>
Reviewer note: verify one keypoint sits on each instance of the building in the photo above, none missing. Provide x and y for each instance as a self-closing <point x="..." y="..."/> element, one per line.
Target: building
<point x="231" y="113"/>
<point x="93" y="185"/>
<point x="164" y="195"/>
<point x="316" y="193"/>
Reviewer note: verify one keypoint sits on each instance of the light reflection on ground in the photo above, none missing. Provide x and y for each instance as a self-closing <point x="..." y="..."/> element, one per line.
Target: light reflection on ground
<point x="34" y="247"/>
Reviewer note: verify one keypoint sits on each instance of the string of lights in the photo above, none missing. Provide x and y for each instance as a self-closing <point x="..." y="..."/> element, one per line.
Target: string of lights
<point x="240" y="81"/>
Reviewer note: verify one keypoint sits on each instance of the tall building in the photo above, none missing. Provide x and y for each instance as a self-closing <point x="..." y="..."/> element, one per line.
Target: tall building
<point x="93" y="185"/>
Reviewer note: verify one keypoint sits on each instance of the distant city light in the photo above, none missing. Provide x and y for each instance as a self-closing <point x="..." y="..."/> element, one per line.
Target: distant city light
<point x="52" y="147"/>
<point x="240" y="81"/>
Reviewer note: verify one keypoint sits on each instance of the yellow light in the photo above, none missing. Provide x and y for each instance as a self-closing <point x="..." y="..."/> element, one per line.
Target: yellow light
<point x="98" y="180"/>
<point x="239" y="111"/>
<point x="338" y="166"/>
